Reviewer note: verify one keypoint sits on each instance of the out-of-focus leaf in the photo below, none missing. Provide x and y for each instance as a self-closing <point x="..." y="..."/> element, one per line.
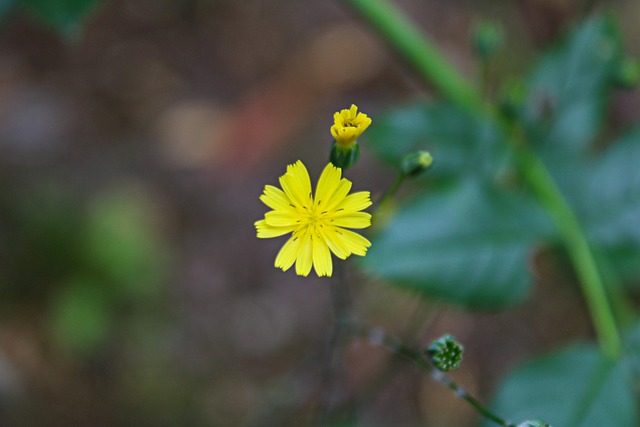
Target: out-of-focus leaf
<point x="570" y="87"/>
<point x="611" y="197"/>
<point x="468" y="247"/>
<point x="81" y="315"/>
<point x="64" y="15"/>
<point x="122" y="245"/>
<point x="5" y="7"/>
<point x="459" y="141"/>
<point x="576" y="387"/>
<point x="604" y="192"/>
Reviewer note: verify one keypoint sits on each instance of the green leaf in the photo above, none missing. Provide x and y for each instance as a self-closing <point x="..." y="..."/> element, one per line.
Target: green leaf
<point x="469" y="246"/>
<point x="81" y="316"/>
<point x="459" y="141"/>
<point x="64" y="15"/>
<point x="5" y="8"/>
<point x="122" y="246"/>
<point x="611" y="194"/>
<point x="575" y="387"/>
<point x="570" y="87"/>
<point x="604" y="192"/>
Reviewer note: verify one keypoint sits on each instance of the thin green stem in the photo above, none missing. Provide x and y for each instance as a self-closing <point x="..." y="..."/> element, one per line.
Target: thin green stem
<point x="417" y="50"/>
<point x="380" y="338"/>
<point x="578" y="248"/>
<point x="392" y="191"/>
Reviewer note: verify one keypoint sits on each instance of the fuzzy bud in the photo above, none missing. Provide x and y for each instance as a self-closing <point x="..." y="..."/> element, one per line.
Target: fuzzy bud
<point x="445" y="353"/>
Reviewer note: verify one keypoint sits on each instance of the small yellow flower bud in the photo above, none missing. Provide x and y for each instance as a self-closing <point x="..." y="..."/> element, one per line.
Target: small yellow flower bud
<point x="348" y="125"/>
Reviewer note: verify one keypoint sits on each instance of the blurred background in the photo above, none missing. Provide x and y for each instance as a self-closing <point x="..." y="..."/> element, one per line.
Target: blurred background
<point x="134" y="144"/>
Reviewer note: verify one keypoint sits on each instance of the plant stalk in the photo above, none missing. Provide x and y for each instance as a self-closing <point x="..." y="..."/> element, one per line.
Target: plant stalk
<point x="578" y="248"/>
<point x="418" y="50"/>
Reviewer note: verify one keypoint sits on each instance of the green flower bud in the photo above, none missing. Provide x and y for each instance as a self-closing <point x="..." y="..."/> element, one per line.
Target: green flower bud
<point x="487" y="40"/>
<point x="445" y="353"/>
<point x="344" y="156"/>
<point x="627" y="73"/>
<point x="536" y="423"/>
<point x="416" y="163"/>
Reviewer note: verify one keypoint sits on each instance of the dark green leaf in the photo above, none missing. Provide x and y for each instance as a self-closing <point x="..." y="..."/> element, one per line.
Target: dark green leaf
<point x="570" y="87"/>
<point x="460" y="142"/>
<point x="468" y="247"/>
<point x="605" y="195"/>
<point x="64" y="15"/>
<point x="576" y="387"/>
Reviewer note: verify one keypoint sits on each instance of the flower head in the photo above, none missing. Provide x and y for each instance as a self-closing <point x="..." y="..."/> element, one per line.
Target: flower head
<point x="348" y="125"/>
<point x="318" y="225"/>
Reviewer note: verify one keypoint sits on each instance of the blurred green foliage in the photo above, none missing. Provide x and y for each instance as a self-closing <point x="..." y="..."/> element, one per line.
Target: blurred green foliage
<point x="86" y="262"/>
<point x="464" y="237"/>
<point x="66" y="16"/>
<point x="576" y="387"/>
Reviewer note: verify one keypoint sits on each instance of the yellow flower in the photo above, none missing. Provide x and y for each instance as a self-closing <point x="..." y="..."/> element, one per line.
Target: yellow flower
<point x="316" y="223"/>
<point x="348" y="125"/>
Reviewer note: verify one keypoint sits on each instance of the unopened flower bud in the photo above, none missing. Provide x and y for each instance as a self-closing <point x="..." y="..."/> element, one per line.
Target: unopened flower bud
<point x="348" y="125"/>
<point x="487" y="40"/>
<point x="344" y="157"/>
<point x="415" y="163"/>
<point x="445" y="353"/>
<point x="535" y="423"/>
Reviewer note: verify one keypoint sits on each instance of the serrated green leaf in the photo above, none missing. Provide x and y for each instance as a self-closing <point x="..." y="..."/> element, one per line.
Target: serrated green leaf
<point x="459" y="141"/>
<point x="575" y="387"/>
<point x="64" y="15"/>
<point x="468" y="247"/>
<point x="570" y="87"/>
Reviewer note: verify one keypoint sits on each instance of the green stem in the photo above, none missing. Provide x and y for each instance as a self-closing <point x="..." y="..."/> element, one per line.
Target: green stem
<point x="392" y="191"/>
<point x="418" y="50"/>
<point x="380" y="338"/>
<point x="579" y="251"/>
<point x="415" y="47"/>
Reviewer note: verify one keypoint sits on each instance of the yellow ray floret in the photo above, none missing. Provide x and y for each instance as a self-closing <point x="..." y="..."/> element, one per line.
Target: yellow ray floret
<point x="318" y="226"/>
<point x="348" y="125"/>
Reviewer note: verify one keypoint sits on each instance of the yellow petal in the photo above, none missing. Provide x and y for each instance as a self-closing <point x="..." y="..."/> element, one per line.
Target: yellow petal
<point x="266" y="231"/>
<point x="327" y="185"/>
<point x="355" y="202"/>
<point x="335" y="242"/>
<point x="356" y="243"/>
<point x="288" y="253"/>
<point x="305" y="255"/>
<point x="343" y="187"/>
<point x="297" y="184"/>
<point x="353" y="220"/>
<point x="275" y="198"/>
<point x="321" y="257"/>
<point x="282" y="219"/>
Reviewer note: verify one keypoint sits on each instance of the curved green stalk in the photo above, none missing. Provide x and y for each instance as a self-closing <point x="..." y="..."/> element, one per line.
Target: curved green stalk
<point x="578" y="248"/>
<point x="420" y="52"/>
<point x="408" y="41"/>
